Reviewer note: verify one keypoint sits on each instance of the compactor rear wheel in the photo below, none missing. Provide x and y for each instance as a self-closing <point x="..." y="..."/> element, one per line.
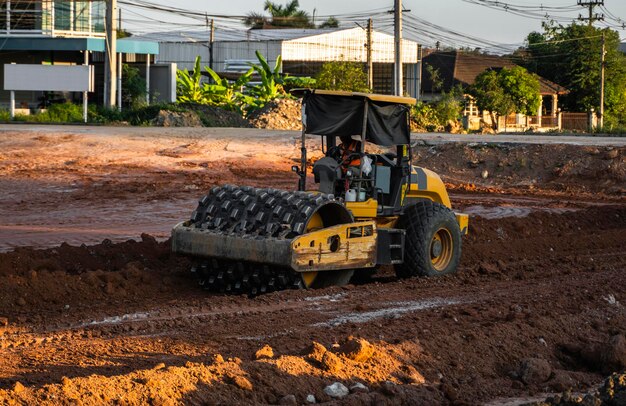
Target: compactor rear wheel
<point x="432" y="242"/>
<point x="268" y="214"/>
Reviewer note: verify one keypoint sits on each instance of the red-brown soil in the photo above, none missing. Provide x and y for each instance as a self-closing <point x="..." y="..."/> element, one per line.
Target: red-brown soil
<point x="537" y="305"/>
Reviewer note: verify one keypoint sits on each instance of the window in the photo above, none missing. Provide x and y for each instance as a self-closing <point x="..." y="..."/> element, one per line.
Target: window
<point x="98" y="11"/>
<point x="20" y="15"/>
<point x="62" y="15"/>
<point x="81" y="16"/>
<point x="3" y="15"/>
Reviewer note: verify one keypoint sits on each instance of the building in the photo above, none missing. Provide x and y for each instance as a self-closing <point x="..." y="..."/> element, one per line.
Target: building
<point x="303" y="51"/>
<point x="460" y="68"/>
<point x="62" y="32"/>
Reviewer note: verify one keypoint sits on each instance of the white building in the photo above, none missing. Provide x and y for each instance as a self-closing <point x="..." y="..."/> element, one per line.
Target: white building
<point x="303" y="51"/>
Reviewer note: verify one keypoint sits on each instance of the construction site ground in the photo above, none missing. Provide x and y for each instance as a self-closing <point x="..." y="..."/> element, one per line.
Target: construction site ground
<point x="94" y="309"/>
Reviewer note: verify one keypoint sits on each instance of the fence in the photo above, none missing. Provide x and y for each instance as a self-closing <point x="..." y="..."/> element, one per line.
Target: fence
<point x="575" y="121"/>
<point x="546" y="121"/>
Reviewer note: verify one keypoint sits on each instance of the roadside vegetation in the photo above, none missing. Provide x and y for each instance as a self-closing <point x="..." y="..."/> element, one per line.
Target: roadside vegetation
<point x="506" y="91"/>
<point x="567" y="55"/>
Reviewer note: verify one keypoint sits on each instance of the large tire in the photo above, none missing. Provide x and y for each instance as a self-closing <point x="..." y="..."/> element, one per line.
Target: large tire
<point x="432" y="242"/>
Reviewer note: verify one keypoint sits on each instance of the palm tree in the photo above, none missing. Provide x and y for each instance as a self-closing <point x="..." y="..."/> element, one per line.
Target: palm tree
<point x="287" y="16"/>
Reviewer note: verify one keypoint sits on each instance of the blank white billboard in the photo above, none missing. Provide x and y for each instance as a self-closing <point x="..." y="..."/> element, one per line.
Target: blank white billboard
<point x="59" y="78"/>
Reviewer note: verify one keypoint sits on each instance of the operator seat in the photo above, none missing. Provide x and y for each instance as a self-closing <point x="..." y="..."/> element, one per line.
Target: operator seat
<point x="327" y="171"/>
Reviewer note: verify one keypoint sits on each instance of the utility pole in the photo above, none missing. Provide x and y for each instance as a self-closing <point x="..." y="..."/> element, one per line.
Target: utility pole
<point x="370" y="64"/>
<point x="110" y="61"/>
<point x="418" y="91"/>
<point x="397" y="33"/>
<point x="602" y="66"/>
<point x="590" y="4"/>
<point x="211" y="38"/>
<point x="119" y="66"/>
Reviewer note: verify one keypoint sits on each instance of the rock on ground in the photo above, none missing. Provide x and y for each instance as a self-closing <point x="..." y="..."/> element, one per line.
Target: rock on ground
<point x="288" y="400"/>
<point x="359" y="388"/>
<point x="535" y="371"/>
<point x="336" y="390"/>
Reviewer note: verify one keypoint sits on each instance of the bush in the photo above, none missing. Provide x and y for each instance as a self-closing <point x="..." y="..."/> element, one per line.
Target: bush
<point x="103" y="115"/>
<point x="5" y="115"/>
<point x="298" y="82"/>
<point x="436" y="115"/>
<point x="55" y="113"/>
<point x="425" y="117"/>
<point x="342" y="75"/>
<point x="62" y="113"/>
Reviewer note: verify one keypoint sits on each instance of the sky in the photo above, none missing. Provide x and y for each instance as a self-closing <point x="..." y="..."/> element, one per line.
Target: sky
<point x="500" y="27"/>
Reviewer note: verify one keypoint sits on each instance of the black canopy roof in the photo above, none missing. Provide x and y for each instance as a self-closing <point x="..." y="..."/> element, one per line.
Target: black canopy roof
<point x="331" y="113"/>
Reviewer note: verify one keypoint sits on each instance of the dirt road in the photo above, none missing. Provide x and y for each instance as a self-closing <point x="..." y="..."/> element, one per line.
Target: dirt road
<point x="537" y="305"/>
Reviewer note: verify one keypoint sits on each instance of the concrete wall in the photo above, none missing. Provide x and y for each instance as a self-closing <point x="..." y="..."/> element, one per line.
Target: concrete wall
<point x="162" y="82"/>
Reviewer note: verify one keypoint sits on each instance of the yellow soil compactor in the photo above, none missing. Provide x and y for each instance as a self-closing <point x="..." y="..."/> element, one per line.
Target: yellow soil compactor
<point x="370" y="209"/>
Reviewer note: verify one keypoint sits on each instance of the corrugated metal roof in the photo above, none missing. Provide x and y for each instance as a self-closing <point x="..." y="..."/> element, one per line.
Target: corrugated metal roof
<point x="235" y="35"/>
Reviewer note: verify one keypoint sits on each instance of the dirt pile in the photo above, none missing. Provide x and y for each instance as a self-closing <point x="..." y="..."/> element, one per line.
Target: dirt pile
<point x="279" y="114"/>
<point x="382" y="378"/>
<point x="167" y="118"/>
<point x="487" y="167"/>
<point x="65" y="278"/>
<point x="218" y="117"/>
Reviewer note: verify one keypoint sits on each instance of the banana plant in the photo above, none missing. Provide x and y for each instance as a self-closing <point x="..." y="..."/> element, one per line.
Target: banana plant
<point x="271" y="86"/>
<point x="189" y="88"/>
<point x="225" y="93"/>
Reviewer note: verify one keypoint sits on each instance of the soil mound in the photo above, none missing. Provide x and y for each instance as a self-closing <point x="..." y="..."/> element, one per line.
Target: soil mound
<point x="48" y="282"/>
<point x="177" y="119"/>
<point x="279" y="114"/>
<point x="235" y="381"/>
<point x="486" y="167"/>
<point x="218" y="117"/>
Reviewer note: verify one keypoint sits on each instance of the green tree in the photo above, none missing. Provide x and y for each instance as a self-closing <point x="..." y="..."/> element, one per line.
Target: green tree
<point x="342" y="75"/>
<point x="571" y="56"/>
<point x="133" y="87"/>
<point x="506" y="91"/>
<point x="282" y="16"/>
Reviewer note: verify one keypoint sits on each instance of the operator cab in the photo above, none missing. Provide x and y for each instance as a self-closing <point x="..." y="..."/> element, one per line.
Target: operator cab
<point x="375" y="176"/>
<point x="373" y="184"/>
